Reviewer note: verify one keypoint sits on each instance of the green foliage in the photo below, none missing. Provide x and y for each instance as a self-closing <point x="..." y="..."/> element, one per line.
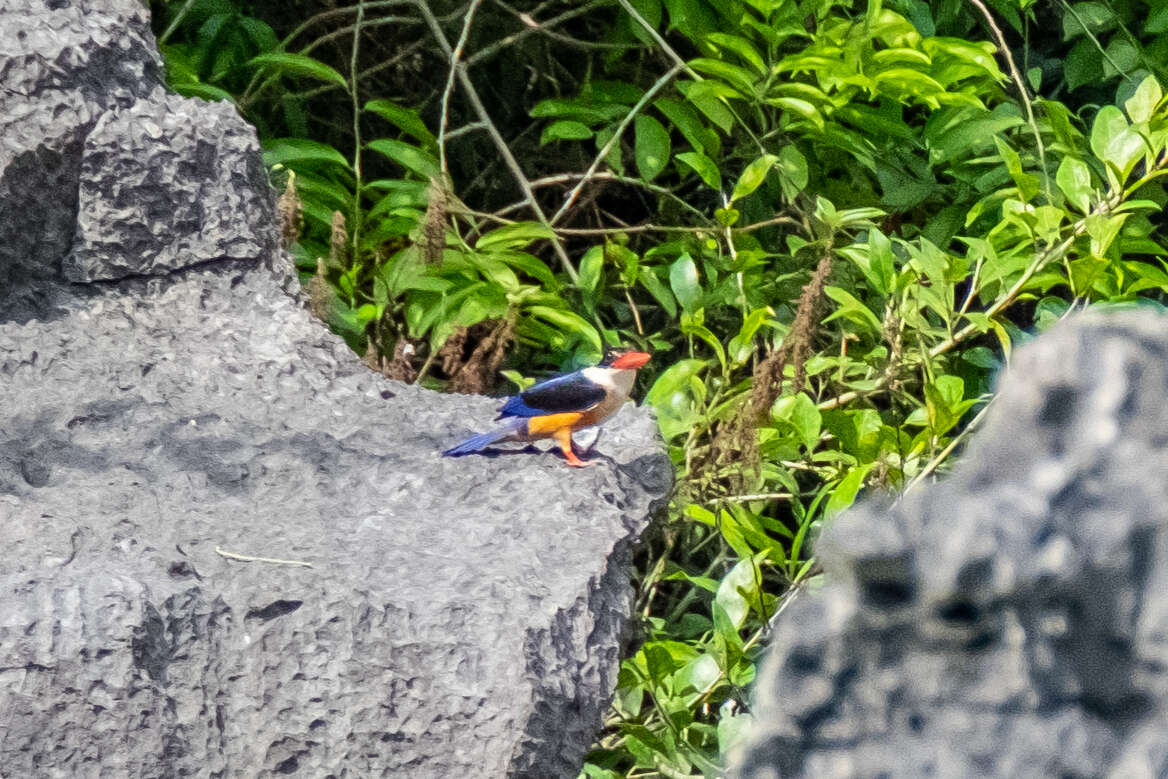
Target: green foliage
<point x="830" y="221"/>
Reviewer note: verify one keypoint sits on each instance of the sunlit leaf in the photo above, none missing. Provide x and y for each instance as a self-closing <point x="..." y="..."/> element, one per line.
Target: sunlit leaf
<point x="651" y="147"/>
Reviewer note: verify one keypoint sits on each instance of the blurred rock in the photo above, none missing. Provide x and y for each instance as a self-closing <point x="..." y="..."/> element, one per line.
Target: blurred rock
<point x="164" y="405"/>
<point x="1013" y="619"/>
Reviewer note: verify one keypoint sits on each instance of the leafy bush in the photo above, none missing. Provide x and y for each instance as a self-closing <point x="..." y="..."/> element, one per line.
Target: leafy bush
<point x="830" y="221"/>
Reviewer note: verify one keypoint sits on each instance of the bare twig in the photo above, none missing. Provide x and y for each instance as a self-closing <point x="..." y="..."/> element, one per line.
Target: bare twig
<point x="1040" y="261"/>
<point x="448" y="90"/>
<point x="517" y="173"/>
<point x="176" y="21"/>
<point x="1022" y="92"/>
<point x="243" y="558"/>
<point x="603" y="175"/>
<point x="570" y="200"/>
<point x="355" y="94"/>
<point x="531" y="29"/>
<point x="943" y="455"/>
<point x="673" y="55"/>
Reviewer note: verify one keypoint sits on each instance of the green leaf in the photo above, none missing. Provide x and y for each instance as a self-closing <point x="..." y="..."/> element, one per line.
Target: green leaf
<point x="1157" y="21"/>
<point x="409" y="157"/>
<point x="591" y="267"/>
<point x="568" y="321"/>
<point x="683" y="280"/>
<point x="740" y="579"/>
<point x="699" y="674"/>
<point x="299" y="65"/>
<point x="687" y="121"/>
<point x="565" y="130"/>
<point x="707" y="97"/>
<point x="651" y="147"/>
<point x="800" y="107"/>
<point x="1114" y="142"/>
<point x="732" y="731"/>
<point x="658" y="290"/>
<point x="740" y="46"/>
<point x="1027" y="183"/>
<point x="1083" y="64"/>
<point x="843" y="494"/>
<point x="1102" y="230"/>
<point x="875" y="260"/>
<point x="581" y="110"/>
<point x="1074" y="179"/>
<point x="1141" y="106"/>
<point x="404" y="119"/>
<point x="801" y="412"/>
<point x="753" y="176"/>
<point x="671" y="398"/>
<point x="740" y="78"/>
<point x="513" y="236"/>
<point x="704" y="167"/>
<point x="792" y="168"/>
<point x="852" y="309"/>
<point x="290" y="151"/>
<point x="1096" y="16"/>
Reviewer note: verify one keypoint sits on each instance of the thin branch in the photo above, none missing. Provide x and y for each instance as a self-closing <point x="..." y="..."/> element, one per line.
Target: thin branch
<point x="1022" y="92"/>
<point x="603" y="175"/>
<point x="369" y="71"/>
<point x="673" y="55"/>
<point x="500" y="144"/>
<point x="448" y="90"/>
<point x="353" y="91"/>
<point x="752" y="498"/>
<point x="948" y="450"/>
<point x="250" y="91"/>
<point x="1087" y="29"/>
<point x="1041" y="260"/>
<point x="466" y="129"/>
<point x="570" y="200"/>
<point x="531" y="29"/>
<point x="250" y="559"/>
<point x="174" y="23"/>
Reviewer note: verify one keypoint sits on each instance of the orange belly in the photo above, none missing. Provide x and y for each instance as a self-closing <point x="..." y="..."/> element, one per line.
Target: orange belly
<point x="539" y="427"/>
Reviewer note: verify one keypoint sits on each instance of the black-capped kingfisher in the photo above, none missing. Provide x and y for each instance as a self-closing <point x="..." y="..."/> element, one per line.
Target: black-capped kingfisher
<point x="558" y="407"/>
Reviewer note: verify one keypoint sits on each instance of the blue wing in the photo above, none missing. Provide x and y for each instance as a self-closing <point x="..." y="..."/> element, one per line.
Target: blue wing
<point x="560" y="395"/>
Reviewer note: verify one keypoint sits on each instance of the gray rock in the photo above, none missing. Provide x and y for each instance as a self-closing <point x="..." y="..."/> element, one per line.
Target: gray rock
<point x="167" y="183"/>
<point x="62" y="66"/>
<point x="165" y="404"/>
<point x="462" y="616"/>
<point x="1011" y="620"/>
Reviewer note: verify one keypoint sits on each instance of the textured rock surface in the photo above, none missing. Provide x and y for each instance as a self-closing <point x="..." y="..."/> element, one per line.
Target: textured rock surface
<point x="461" y="617"/>
<point x="166" y="183"/>
<point x="63" y="65"/>
<point x="1012" y="620"/>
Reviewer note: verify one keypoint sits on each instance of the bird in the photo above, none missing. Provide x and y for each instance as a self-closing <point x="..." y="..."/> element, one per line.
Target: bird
<point x="558" y="407"/>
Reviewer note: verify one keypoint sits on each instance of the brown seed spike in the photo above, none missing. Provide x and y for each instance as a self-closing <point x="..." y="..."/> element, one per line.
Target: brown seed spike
<point x="434" y="223"/>
<point x="290" y="213"/>
<point x="338" y="241"/>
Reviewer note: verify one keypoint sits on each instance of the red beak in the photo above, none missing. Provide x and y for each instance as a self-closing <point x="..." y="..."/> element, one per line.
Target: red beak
<point x="630" y="361"/>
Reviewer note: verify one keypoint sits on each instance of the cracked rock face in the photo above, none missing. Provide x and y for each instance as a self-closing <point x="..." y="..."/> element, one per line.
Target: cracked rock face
<point x="167" y="408"/>
<point x="1012" y="620"/>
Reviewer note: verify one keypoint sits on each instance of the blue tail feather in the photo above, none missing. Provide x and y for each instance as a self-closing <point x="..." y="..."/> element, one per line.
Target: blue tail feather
<point x="477" y="443"/>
